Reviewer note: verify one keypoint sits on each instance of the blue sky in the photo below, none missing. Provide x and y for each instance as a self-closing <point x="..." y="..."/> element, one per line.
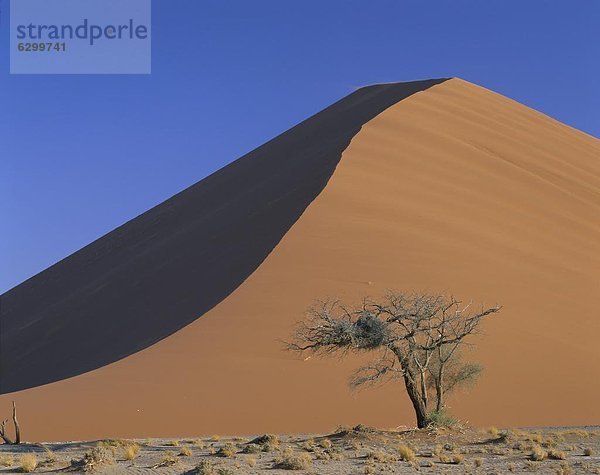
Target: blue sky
<point x="81" y="155"/>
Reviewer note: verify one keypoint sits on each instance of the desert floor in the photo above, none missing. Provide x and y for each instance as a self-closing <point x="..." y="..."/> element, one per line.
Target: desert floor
<point x="358" y="450"/>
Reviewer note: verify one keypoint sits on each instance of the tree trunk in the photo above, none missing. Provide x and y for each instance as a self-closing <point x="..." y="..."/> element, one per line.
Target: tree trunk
<point x="7" y="440"/>
<point x="424" y="389"/>
<point x="417" y="401"/>
<point x="412" y="388"/>
<point x="439" y="390"/>
<point x="16" y="423"/>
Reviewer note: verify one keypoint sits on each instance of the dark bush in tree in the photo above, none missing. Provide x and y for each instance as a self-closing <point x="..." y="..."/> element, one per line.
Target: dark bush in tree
<point x="417" y="337"/>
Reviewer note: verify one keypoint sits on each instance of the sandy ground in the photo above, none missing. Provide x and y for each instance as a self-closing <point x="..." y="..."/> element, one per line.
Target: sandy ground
<point x="359" y="450"/>
<point x="454" y="189"/>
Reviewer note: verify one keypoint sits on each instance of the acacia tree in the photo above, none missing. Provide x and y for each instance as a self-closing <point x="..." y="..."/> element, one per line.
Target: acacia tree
<point x="417" y="338"/>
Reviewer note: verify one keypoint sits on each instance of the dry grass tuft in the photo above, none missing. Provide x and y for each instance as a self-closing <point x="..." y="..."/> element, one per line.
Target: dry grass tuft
<point x="531" y="466"/>
<point x="199" y="443"/>
<point x="557" y="455"/>
<point x="50" y="457"/>
<point x="203" y="468"/>
<point x="28" y="463"/>
<point x="251" y="461"/>
<point x="478" y="462"/>
<point x="131" y="451"/>
<point x="407" y="454"/>
<point x="7" y="460"/>
<point x="493" y="431"/>
<point x="289" y="460"/>
<point x="564" y="469"/>
<point x="228" y="450"/>
<point x="380" y="456"/>
<point x="326" y="443"/>
<point x="538" y="454"/>
<point x="309" y="445"/>
<point x="185" y="452"/>
<point x="172" y="443"/>
<point x="588" y="451"/>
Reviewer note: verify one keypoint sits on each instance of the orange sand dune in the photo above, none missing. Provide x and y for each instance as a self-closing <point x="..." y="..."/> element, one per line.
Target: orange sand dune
<point x="454" y="189"/>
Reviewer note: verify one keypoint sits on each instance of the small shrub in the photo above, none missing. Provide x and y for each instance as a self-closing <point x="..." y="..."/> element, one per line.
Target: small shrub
<point x="266" y="442"/>
<point x="588" y="451"/>
<point x="557" y="455"/>
<point x="252" y="449"/>
<point x="440" y="419"/>
<point x="538" y="454"/>
<point x="28" y="463"/>
<point x="292" y="461"/>
<point x="326" y="443"/>
<point x="228" y="450"/>
<point x="457" y="459"/>
<point x="95" y="458"/>
<point x="407" y="454"/>
<point x="522" y="446"/>
<point x="169" y="458"/>
<point x="309" y="445"/>
<point x="131" y="451"/>
<point x="203" y="468"/>
<point x="537" y="438"/>
<point x="185" y="452"/>
<point x="328" y="454"/>
<point x="380" y="456"/>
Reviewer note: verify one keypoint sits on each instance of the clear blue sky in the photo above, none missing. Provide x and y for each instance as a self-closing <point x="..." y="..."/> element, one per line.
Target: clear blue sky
<point x="81" y="155"/>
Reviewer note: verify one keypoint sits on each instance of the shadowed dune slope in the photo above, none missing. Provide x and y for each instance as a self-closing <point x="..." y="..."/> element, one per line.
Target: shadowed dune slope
<point x="455" y="188"/>
<point x="167" y="267"/>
